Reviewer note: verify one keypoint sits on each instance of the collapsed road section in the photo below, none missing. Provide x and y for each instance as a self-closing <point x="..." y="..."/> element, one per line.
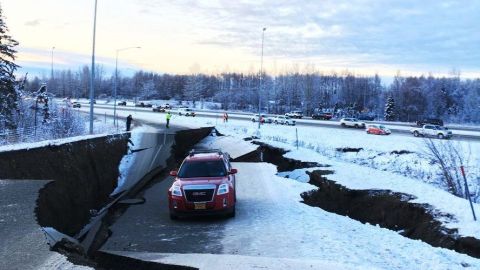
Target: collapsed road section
<point x="383" y="207"/>
<point x="88" y="176"/>
<point x="272" y="228"/>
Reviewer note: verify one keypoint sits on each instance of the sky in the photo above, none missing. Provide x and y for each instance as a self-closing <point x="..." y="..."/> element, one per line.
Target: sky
<point x="185" y="36"/>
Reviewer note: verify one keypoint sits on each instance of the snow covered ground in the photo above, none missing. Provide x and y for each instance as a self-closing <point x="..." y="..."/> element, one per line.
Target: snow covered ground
<point x="379" y="159"/>
<point x="272" y="222"/>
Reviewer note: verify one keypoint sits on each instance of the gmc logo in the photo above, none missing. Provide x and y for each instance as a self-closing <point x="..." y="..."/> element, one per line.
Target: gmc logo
<point x="199" y="193"/>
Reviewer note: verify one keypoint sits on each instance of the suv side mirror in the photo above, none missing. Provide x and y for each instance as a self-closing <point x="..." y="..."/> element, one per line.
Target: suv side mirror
<point x="233" y="171"/>
<point x="173" y="173"/>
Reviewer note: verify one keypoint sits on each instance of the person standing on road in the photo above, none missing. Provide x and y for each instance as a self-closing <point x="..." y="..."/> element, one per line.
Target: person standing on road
<point x="129" y="122"/>
<point x="225" y="117"/>
<point x="168" y="117"/>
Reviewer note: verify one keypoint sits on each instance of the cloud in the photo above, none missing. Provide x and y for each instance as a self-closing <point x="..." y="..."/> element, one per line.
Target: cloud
<point x="33" y="23"/>
<point x="421" y="34"/>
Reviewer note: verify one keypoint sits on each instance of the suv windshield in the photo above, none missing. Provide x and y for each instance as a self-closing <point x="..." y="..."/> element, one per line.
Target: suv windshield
<point x="204" y="168"/>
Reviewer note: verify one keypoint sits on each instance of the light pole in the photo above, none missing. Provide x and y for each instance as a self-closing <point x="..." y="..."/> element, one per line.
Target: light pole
<point x="93" y="68"/>
<point x="115" y="122"/>
<point x="51" y="75"/>
<point x="261" y="82"/>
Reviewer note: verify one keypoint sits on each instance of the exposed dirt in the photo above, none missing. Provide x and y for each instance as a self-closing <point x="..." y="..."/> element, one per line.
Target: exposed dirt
<point x="274" y="155"/>
<point x="401" y="152"/>
<point x="349" y="150"/>
<point x="389" y="210"/>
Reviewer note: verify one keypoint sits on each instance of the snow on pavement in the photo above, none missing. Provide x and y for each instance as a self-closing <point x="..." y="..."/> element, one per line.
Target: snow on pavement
<point x="234" y="147"/>
<point x="237" y="262"/>
<point x="272" y="222"/>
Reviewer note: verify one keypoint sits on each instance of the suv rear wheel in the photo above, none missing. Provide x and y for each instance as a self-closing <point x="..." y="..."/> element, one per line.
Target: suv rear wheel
<point x="416" y="134"/>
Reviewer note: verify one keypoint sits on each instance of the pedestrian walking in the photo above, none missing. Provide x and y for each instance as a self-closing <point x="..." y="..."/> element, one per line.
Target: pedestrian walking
<point x="225" y="117"/>
<point x="168" y="117"/>
<point x="129" y="122"/>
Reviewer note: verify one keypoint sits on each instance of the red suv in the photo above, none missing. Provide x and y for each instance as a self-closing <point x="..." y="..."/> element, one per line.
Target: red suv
<point x="204" y="185"/>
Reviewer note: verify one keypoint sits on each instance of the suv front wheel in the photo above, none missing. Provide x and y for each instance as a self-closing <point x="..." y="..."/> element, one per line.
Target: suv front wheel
<point x="231" y="214"/>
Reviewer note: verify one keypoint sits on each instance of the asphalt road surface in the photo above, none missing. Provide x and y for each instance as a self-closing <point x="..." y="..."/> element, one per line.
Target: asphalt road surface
<point x="24" y="246"/>
<point x="148" y="228"/>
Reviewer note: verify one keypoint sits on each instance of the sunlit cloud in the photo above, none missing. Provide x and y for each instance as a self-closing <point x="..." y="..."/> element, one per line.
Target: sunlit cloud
<point x="359" y="35"/>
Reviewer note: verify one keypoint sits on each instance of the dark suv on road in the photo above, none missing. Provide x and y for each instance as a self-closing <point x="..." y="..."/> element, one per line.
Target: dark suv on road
<point x="430" y="121"/>
<point x="204" y="185"/>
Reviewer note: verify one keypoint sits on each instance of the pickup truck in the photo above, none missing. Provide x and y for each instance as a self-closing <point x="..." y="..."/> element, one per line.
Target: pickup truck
<point x="295" y="114"/>
<point x="432" y="131"/>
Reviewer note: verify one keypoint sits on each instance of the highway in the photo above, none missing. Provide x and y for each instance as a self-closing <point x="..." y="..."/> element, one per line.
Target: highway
<point x="460" y="133"/>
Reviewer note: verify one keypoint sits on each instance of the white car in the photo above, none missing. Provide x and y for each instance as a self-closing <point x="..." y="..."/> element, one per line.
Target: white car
<point x="265" y="119"/>
<point x="352" y="122"/>
<point x="295" y="114"/>
<point x="186" y="112"/>
<point x="284" y="120"/>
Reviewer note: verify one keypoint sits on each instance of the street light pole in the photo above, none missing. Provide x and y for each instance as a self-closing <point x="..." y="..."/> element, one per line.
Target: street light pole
<point x="115" y="121"/>
<point x="51" y="75"/>
<point x="261" y="81"/>
<point x="93" y="68"/>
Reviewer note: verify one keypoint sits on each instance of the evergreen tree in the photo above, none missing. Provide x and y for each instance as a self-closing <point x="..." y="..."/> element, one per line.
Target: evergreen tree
<point x="42" y="98"/>
<point x="390" y="109"/>
<point x="8" y="92"/>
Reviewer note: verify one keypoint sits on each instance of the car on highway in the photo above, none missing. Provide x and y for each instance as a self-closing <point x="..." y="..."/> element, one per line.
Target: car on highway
<point x="263" y="118"/>
<point x="351" y="122"/>
<point x="144" y="105"/>
<point x="76" y="105"/>
<point x="322" y="115"/>
<point x="378" y="130"/>
<point x="284" y="120"/>
<point x="432" y="131"/>
<point x="158" y="108"/>
<point x="366" y="117"/>
<point x="295" y="114"/>
<point x="429" y="121"/>
<point x="122" y="103"/>
<point x="204" y="185"/>
<point x="186" y="112"/>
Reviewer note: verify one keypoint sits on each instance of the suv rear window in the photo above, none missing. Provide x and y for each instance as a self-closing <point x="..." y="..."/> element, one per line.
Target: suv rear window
<point x="204" y="168"/>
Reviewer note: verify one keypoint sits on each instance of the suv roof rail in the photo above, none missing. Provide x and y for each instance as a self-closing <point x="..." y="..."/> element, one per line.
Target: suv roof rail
<point x="205" y="151"/>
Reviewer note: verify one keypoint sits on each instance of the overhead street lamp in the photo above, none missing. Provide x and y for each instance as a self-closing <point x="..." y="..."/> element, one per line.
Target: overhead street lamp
<point x="93" y="68"/>
<point x="115" y="121"/>
<point x="261" y="82"/>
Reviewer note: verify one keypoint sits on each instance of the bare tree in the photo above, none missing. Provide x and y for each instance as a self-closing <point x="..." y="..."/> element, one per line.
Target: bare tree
<point x="449" y="157"/>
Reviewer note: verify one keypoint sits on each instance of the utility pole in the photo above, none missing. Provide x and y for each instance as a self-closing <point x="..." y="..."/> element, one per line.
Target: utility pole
<point x="51" y="75"/>
<point x="115" y="121"/>
<point x="92" y="77"/>
<point x="261" y="82"/>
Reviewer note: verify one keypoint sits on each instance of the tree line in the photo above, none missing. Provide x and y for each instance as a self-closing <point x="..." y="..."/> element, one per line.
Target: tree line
<point x="410" y="98"/>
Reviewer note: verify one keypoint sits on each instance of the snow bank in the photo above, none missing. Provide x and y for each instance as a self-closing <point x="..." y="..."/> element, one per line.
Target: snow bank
<point x="23" y="146"/>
